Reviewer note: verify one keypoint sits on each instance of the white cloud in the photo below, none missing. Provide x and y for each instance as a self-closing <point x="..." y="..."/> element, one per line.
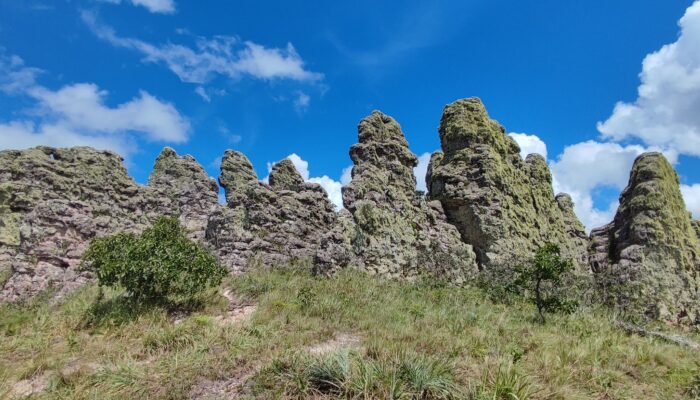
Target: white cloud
<point x="203" y="93"/>
<point x="77" y="115"/>
<point x="220" y="55"/>
<point x="665" y="113"/>
<point x="585" y="167"/>
<point x="332" y="187"/>
<point x="691" y="195"/>
<point x="529" y="144"/>
<point x="26" y="134"/>
<point x="421" y="170"/>
<point x="346" y="175"/>
<point x="301" y="103"/>
<point x="154" y="6"/>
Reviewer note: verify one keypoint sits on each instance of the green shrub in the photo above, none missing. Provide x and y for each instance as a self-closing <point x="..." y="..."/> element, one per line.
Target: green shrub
<point x="541" y="280"/>
<point x="161" y="264"/>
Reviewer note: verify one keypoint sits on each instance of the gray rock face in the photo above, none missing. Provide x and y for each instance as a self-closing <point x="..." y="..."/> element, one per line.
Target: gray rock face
<point x="393" y="232"/>
<point x="180" y="186"/>
<point x="502" y="205"/>
<point x="647" y="260"/>
<point x="54" y="201"/>
<point x="274" y="224"/>
<point x="284" y="176"/>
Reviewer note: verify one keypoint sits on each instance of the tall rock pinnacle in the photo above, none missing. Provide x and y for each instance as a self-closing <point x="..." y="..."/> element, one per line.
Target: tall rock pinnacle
<point x="502" y="205"/>
<point x="648" y="259"/>
<point x="394" y="231"/>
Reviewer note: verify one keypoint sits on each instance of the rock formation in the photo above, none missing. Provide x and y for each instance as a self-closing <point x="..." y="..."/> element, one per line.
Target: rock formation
<point x="274" y="224"/>
<point x="647" y="260"/>
<point x="502" y="205"/>
<point x="54" y="201"/>
<point x="486" y="207"/>
<point x="180" y="186"/>
<point x="394" y="231"/>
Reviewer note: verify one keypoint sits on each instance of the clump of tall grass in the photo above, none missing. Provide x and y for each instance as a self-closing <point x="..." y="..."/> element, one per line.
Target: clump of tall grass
<point x="349" y="374"/>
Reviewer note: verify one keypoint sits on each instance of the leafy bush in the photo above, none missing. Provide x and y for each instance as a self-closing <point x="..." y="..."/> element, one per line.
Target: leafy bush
<point x="160" y="264"/>
<point x="541" y="279"/>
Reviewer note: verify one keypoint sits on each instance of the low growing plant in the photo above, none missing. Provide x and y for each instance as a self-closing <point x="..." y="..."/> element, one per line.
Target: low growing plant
<point x="161" y="264"/>
<point x="541" y="281"/>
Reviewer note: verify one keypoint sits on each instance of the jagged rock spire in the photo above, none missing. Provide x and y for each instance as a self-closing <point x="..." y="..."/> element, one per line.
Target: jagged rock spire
<point x="284" y="175"/>
<point x="180" y="186"/>
<point x="237" y="175"/>
<point x="393" y="231"/>
<point x="503" y="205"/>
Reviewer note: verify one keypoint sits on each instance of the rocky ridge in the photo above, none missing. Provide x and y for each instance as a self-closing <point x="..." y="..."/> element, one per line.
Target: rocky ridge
<point x="262" y="224"/>
<point x="486" y="207"/>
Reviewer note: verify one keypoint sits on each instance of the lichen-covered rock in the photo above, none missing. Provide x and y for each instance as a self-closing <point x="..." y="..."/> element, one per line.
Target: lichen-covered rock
<point x="180" y="186"/>
<point x="395" y="232"/>
<point x="648" y="259"/>
<point x="274" y="224"/>
<point x="284" y="175"/>
<point x="237" y="175"/>
<point x="52" y="202"/>
<point x="502" y="205"/>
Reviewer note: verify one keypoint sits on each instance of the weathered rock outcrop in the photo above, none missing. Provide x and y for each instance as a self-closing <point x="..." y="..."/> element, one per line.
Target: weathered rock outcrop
<point x="54" y="201"/>
<point x="180" y="186"/>
<point x="275" y="224"/>
<point x="647" y="260"/>
<point x="394" y="231"/>
<point x="502" y="205"/>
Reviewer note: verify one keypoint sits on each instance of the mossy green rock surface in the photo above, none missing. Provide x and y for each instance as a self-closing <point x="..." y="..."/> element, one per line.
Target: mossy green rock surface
<point x="273" y="225"/>
<point x="648" y="259"/>
<point x="395" y="232"/>
<point x="54" y="201"/>
<point x="502" y="205"/>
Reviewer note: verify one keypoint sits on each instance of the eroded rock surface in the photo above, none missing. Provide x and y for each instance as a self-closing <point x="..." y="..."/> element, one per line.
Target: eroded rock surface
<point x="275" y="224"/>
<point x="502" y="205"/>
<point x="394" y="231"/>
<point x="54" y="201"/>
<point x="647" y="259"/>
<point x="180" y="186"/>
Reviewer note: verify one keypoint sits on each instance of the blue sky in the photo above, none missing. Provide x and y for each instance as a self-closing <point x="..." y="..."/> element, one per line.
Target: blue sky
<point x="274" y="79"/>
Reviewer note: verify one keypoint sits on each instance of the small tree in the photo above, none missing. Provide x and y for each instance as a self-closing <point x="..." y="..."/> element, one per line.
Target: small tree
<point x="542" y="279"/>
<point x="160" y="264"/>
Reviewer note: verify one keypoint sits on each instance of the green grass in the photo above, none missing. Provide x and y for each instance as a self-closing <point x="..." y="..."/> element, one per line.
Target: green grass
<point x="414" y="341"/>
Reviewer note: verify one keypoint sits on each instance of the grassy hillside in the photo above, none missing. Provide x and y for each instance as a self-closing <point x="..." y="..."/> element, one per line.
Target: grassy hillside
<point x="284" y="334"/>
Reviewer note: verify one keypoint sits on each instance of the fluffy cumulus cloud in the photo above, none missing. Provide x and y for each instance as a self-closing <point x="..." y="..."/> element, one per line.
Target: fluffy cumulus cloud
<point x="584" y="168"/>
<point x="76" y="114"/>
<point x="691" y="195"/>
<point x="529" y="144"/>
<point x="154" y="6"/>
<point x="221" y="55"/>
<point x="330" y="185"/>
<point x="665" y="113"/>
